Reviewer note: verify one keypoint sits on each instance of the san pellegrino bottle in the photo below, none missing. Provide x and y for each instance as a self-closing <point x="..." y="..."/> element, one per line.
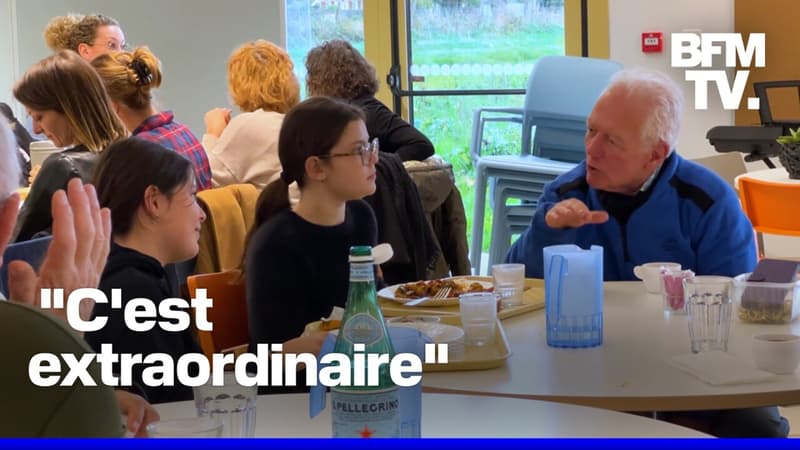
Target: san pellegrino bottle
<point x="364" y="411"/>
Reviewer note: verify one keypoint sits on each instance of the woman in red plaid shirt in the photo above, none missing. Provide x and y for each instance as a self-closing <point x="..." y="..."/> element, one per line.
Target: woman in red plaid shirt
<point x="129" y="78"/>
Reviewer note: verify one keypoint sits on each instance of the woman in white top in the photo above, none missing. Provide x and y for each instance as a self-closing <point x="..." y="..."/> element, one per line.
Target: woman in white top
<point x="262" y="84"/>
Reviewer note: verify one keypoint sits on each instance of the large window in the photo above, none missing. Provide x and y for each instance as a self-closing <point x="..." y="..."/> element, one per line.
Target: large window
<point x="449" y="46"/>
<point x="475" y="45"/>
<point x="311" y="22"/>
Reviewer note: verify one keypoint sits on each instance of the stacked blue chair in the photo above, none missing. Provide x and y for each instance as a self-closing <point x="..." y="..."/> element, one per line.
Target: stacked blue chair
<point x="560" y="94"/>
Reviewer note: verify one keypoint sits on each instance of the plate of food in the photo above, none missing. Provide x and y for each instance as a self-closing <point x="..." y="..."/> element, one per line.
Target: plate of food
<point x="404" y="293"/>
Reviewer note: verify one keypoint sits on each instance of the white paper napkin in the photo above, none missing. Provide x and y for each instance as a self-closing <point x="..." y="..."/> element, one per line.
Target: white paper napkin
<point x="337" y="313"/>
<point x="718" y="368"/>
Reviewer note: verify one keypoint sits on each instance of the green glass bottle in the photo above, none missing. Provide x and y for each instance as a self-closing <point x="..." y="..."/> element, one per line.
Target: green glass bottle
<point x="364" y="411"/>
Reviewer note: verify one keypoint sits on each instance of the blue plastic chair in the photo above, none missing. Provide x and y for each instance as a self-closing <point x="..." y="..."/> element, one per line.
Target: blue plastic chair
<point x="522" y="169"/>
<point x="561" y="92"/>
<point x="32" y="251"/>
<point x="559" y="96"/>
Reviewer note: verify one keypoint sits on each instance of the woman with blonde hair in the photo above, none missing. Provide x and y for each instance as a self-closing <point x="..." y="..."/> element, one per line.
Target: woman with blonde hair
<point x="336" y="69"/>
<point x="262" y="84"/>
<point x="67" y="102"/>
<point x="129" y="78"/>
<point x="88" y="35"/>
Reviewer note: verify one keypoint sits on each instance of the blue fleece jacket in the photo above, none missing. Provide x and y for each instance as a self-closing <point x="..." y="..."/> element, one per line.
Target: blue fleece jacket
<point x="692" y="217"/>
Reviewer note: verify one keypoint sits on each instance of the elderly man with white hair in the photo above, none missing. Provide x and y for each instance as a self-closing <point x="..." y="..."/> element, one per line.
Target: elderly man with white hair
<point x="75" y="259"/>
<point x="641" y="201"/>
<point x="636" y="197"/>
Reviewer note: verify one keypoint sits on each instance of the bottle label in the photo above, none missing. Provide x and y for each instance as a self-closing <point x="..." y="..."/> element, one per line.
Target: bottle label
<point x="362" y="328"/>
<point x="362" y="272"/>
<point x="365" y="414"/>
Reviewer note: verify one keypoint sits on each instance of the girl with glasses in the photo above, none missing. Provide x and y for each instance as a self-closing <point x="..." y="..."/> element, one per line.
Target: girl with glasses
<point x="337" y="69"/>
<point x="296" y="266"/>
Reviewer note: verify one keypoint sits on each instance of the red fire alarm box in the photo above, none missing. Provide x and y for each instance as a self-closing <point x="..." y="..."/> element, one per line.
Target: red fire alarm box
<point x="653" y="42"/>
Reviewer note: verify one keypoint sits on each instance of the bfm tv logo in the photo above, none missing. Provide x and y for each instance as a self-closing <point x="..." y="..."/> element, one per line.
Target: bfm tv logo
<point x="698" y="50"/>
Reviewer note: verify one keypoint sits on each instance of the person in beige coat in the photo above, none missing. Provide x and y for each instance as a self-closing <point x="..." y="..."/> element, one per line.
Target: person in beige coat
<point x="244" y="149"/>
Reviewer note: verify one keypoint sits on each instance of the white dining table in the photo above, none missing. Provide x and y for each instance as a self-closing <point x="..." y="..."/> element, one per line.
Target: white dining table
<point x="776" y="175"/>
<point x="286" y="415"/>
<point x="630" y="371"/>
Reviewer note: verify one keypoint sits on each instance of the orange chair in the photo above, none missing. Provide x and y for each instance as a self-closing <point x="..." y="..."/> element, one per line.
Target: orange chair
<point x="772" y="207"/>
<point x="228" y="313"/>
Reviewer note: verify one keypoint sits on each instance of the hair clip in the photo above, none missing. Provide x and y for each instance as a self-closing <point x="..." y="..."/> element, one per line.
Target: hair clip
<point x="143" y="74"/>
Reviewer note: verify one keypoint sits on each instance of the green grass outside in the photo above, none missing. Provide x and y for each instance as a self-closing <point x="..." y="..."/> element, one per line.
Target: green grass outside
<point x="441" y="39"/>
<point x="447" y="121"/>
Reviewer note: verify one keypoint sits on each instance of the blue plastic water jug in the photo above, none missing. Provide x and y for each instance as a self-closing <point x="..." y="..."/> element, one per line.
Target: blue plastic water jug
<point x="573" y="284"/>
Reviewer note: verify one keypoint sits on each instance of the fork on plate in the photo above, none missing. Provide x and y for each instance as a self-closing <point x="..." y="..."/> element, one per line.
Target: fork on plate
<point x="440" y="294"/>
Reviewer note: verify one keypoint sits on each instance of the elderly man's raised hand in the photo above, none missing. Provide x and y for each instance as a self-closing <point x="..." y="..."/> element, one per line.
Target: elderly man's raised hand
<point x="77" y="253"/>
<point x="573" y="213"/>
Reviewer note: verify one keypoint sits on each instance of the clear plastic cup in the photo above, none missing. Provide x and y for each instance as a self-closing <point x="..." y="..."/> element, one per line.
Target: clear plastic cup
<point x="708" y="302"/>
<point x="189" y="427"/>
<point x="233" y="404"/>
<point x="509" y="283"/>
<point x="478" y="317"/>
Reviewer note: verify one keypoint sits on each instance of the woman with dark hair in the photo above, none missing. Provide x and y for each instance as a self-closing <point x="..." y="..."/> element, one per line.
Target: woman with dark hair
<point x="68" y="103"/>
<point x="156" y="221"/>
<point x="336" y="69"/>
<point x="296" y="260"/>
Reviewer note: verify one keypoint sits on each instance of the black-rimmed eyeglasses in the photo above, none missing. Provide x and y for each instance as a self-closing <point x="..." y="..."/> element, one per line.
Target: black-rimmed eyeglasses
<point x="365" y="151"/>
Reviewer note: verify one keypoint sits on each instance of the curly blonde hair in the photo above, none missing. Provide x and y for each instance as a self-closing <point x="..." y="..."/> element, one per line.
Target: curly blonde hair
<point x="260" y="75"/>
<point x="336" y="69"/>
<point x="70" y="31"/>
<point x="130" y="76"/>
<point x="65" y="83"/>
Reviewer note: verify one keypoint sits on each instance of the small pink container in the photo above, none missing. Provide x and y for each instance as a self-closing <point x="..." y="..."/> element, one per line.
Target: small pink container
<point x="672" y="289"/>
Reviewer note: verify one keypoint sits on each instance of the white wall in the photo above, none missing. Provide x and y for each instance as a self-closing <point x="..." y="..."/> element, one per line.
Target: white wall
<point x="7" y="50"/>
<point x="192" y="38"/>
<point x="628" y="19"/>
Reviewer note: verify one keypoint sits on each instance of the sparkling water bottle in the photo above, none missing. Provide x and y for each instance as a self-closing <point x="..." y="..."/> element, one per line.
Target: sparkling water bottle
<point x="364" y="411"/>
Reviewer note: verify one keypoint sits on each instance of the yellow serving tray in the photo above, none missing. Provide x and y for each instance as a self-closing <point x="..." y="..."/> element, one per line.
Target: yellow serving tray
<point x="490" y="356"/>
<point x="532" y="300"/>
